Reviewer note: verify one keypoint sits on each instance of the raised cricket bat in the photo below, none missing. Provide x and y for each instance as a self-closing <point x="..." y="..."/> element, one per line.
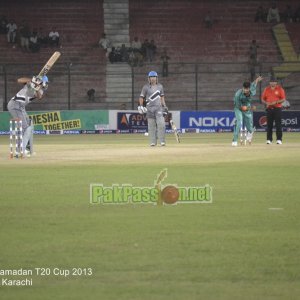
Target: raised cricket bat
<point x="49" y="64"/>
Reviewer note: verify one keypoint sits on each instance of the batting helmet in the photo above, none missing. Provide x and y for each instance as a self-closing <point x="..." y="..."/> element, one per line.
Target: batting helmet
<point x="45" y="82"/>
<point x="45" y="79"/>
<point x="152" y="74"/>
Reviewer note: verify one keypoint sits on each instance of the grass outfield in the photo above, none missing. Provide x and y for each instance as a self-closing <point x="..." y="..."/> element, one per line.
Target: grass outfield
<point x="244" y="245"/>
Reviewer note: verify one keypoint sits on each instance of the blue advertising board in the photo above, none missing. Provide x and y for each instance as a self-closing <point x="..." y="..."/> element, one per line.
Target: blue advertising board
<point x="290" y="120"/>
<point x="135" y="121"/>
<point x="223" y="121"/>
<point x="207" y="121"/>
<point x="131" y="120"/>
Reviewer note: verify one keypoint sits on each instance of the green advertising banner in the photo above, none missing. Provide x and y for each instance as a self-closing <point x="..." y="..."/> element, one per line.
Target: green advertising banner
<point x="63" y="120"/>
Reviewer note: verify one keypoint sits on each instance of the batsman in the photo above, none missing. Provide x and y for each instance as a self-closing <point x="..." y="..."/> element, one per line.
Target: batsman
<point x="152" y="103"/>
<point x="243" y="110"/>
<point x="33" y="89"/>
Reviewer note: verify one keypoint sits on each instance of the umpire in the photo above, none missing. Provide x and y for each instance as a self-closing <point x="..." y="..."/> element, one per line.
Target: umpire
<point x="273" y="96"/>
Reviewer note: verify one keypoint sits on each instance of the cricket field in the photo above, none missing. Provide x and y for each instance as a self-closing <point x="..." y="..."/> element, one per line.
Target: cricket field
<point x="56" y="244"/>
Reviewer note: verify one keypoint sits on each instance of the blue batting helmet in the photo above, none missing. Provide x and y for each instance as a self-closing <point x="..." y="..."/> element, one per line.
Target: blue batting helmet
<point x="45" y="82"/>
<point x="45" y="79"/>
<point x="152" y="74"/>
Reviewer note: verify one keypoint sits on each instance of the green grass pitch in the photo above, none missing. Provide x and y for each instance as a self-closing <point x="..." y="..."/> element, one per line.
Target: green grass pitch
<point x="244" y="245"/>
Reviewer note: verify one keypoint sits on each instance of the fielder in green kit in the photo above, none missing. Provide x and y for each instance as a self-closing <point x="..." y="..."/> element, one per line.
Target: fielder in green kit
<point x="242" y="110"/>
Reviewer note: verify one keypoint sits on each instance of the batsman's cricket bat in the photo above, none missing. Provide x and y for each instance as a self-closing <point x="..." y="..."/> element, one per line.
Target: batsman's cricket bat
<point x="175" y="131"/>
<point x="49" y="64"/>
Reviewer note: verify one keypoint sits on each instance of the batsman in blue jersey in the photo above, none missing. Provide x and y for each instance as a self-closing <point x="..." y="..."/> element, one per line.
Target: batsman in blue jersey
<point x="242" y="110"/>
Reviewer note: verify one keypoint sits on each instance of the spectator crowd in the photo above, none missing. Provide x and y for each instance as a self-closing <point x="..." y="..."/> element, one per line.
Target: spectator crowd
<point x="27" y="38"/>
<point x="274" y="15"/>
<point x="136" y="54"/>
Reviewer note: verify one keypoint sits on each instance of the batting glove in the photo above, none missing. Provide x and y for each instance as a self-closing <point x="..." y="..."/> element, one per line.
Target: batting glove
<point x="165" y="111"/>
<point x="36" y="83"/>
<point x="142" y="109"/>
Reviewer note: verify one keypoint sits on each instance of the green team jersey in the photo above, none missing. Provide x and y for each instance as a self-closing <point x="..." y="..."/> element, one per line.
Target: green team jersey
<point x="240" y="99"/>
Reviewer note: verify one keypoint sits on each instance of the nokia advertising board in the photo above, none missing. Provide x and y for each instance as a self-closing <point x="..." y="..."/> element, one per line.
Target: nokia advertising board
<point x="208" y="121"/>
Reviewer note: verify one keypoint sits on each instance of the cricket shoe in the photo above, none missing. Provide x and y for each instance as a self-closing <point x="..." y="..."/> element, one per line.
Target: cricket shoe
<point x="234" y="144"/>
<point x="152" y="145"/>
<point x="27" y="153"/>
<point x="279" y="142"/>
<point x="162" y="144"/>
<point x="268" y="142"/>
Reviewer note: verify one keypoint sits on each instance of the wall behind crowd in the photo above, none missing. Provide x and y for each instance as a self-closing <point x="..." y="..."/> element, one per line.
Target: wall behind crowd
<point x="178" y="26"/>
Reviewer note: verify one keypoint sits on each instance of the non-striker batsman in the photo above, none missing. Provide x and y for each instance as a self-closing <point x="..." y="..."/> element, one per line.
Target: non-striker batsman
<point x="152" y="103"/>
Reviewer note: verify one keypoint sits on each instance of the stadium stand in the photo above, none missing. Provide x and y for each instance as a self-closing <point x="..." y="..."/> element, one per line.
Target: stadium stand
<point x="80" y="24"/>
<point x="221" y="52"/>
<point x="179" y="27"/>
<point x="182" y="30"/>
